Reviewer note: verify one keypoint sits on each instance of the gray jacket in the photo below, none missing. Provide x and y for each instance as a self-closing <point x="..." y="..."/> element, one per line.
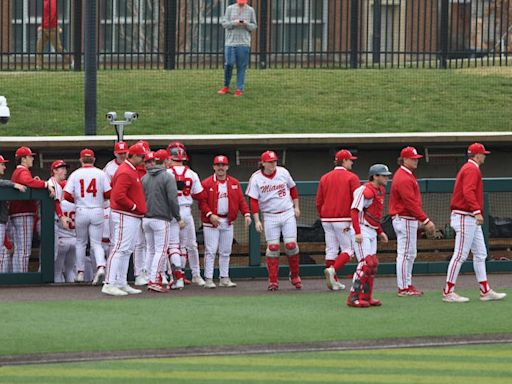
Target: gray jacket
<point x="161" y="194"/>
<point x="239" y="36"/>
<point x="4" y="204"/>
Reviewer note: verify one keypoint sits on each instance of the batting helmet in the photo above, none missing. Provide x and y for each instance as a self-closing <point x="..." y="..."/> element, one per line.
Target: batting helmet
<point x="178" y="154"/>
<point x="379" y="169"/>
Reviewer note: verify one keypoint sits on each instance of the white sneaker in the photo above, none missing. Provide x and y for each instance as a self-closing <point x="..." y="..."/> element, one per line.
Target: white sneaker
<point x="340" y="286"/>
<point x="165" y="282"/>
<point x="226" y="282"/>
<point x="80" y="277"/>
<point x="454" y="298"/>
<point x="112" y="290"/>
<point x="178" y="284"/>
<point x="492" y="295"/>
<point x="129" y="290"/>
<point x="209" y="284"/>
<point x="99" y="276"/>
<point x="141" y="280"/>
<point x="198" y="280"/>
<point x="330" y="278"/>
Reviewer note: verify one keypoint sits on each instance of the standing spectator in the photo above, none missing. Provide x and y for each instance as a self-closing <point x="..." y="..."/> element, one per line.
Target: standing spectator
<point x="273" y="190"/>
<point x="238" y="21"/>
<point x="128" y="208"/>
<point x="333" y="202"/>
<point x="467" y="207"/>
<point x="50" y="32"/>
<point x="224" y="201"/>
<point x="406" y="210"/>
<point x="22" y="212"/>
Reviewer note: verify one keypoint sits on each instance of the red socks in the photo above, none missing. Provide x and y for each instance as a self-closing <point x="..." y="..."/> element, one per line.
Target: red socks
<point x="294" y="263"/>
<point x="449" y="288"/>
<point x="484" y="287"/>
<point x="342" y="259"/>
<point x="273" y="268"/>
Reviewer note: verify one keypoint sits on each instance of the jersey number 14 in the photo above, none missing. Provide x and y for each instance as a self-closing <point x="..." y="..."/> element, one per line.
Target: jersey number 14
<point x="91" y="188"/>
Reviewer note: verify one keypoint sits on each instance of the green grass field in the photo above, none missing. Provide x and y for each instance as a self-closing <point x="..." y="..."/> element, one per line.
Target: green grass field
<point x="276" y="101"/>
<point x="454" y="365"/>
<point x="171" y="321"/>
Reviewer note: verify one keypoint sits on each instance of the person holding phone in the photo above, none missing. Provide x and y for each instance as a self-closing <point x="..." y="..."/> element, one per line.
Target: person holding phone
<point x="238" y="21"/>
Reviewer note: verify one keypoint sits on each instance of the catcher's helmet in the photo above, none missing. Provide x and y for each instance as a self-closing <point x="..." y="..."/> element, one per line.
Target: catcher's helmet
<point x="379" y="169"/>
<point x="178" y="154"/>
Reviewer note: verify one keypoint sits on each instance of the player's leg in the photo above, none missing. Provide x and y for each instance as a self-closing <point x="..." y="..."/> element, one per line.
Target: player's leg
<point x="69" y="259"/>
<point x="130" y="232"/>
<point x="272" y="229"/>
<point x="331" y="252"/>
<point x="26" y="244"/>
<point x="95" y="239"/>
<point x="82" y="222"/>
<point x="411" y="257"/>
<point x="372" y="263"/>
<point x="192" y="251"/>
<point x="242" y="60"/>
<point x="225" y="246"/>
<point x="403" y="234"/>
<point x="150" y="248"/>
<point x="229" y="63"/>
<point x="160" y="230"/>
<point x="361" y="250"/>
<point x="60" y="257"/>
<point x="139" y="259"/>
<point x="291" y="248"/>
<point x="211" y="246"/>
<point x="464" y="227"/>
<point x="2" y="252"/>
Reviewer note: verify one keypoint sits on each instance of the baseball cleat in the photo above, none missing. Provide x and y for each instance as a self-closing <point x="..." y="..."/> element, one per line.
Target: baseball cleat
<point x="340" y="286"/>
<point x="129" y="290"/>
<point x="178" y="284"/>
<point x="209" y="284"/>
<point x="226" y="283"/>
<point x="452" y="297"/>
<point x="413" y="291"/>
<point x="141" y="280"/>
<point x="79" y="277"/>
<point x="296" y="282"/>
<point x="112" y="290"/>
<point x="198" y="280"/>
<point x="330" y="278"/>
<point x="223" y="90"/>
<point x="156" y="287"/>
<point x="375" y="302"/>
<point x="403" y="292"/>
<point x="187" y="281"/>
<point x="99" y="276"/>
<point x="273" y="287"/>
<point x="492" y="295"/>
<point x="358" y="303"/>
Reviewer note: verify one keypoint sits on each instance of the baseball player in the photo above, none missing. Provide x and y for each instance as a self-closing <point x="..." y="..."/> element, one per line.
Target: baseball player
<point x="333" y="203"/>
<point x="272" y="190"/>
<point x="367" y="208"/>
<point x="22" y="212"/>
<point x="162" y="211"/>
<point x="224" y="201"/>
<point x="88" y="188"/>
<point x="406" y="210"/>
<point x="66" y="245"/>
<point x="120" y="152"/>
<point x="128" y="207"/>
<point x="466" y="220"/>
<point x="189" y="189"/>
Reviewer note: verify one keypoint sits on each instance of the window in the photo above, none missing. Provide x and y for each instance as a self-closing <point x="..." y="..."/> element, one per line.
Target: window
<point x="204" y="25"/>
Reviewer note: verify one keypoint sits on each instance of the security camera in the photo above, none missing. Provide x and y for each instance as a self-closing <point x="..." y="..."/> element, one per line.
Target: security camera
<point x="111" y="116"/>
<point x="5" y="113"/>
<point x="131" y="116"/>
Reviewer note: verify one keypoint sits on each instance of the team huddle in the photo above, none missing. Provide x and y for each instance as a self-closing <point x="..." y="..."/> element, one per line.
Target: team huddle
<point x="140" y="206"/>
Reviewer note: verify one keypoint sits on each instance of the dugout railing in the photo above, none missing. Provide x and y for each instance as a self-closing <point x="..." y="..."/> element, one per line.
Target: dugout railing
<point x="248" y="259"/>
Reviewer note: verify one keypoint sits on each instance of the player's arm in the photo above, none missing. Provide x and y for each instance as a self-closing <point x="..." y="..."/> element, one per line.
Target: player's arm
<point x="255" y="209"/>
<point x="252" y="24"/>
<point x="243" y="207"/>
<point x="226" y="20"/>
<point x="319" y="202"/>
<point x="295" y="198"/>
<point x="68" y="190"/>
<point x="107" y="188"/>
<point x="26" y="179"/>
<point x="469" y="191"/>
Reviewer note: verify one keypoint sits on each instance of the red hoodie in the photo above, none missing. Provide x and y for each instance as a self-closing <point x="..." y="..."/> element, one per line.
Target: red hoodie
<point x="23" y="176"/>
<point x="127" y="195"/>
<point x="468" y="191"/>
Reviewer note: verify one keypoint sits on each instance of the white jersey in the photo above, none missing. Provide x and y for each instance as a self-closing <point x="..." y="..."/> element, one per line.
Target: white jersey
<point x="58" y="191"/>
<point x="87" y="185"/>
<point x="68" y="210"/>
<point x="272" y="192"/>
<point x="222" y="200"/>
<point x="187" y="182"/>
<point x="111" y="168"/>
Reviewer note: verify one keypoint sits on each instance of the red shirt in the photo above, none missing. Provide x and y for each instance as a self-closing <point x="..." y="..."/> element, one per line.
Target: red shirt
<point x="335" y="194"/>
<point x="127" y="195"/>
<point x="23" y="176"/>
<point x="468" y="191"/>
<point x="50" y="14"/>
<point x="405" y="197"/>
<point x="236" y="200"/>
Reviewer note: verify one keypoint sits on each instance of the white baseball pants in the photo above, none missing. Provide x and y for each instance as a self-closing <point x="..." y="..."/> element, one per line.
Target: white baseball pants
<point x="139" y="254"/>
<point x="23" y="230"/>
<point x="276" y="223"/>
<point x="65" y="260"/>
<point x="89" y="228"/>
<point x="217" y="239"/>
<point x="157" y="234"/>
<point x="125" y="233"/>
<point x="406" y="249"/>
<point x="369" y="244"/>
<point x="188" y="240"/>
<point x="338" y="237"/>
<point x="468" y="237"/>
<point x="3" y="252"/>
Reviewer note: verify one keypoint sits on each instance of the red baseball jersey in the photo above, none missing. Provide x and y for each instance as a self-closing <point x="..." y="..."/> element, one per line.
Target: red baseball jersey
<point x="335" y="194"/>
<point x="468" y="191"/>
<point x="405" y="197"/>
<point x="127" y="195"/>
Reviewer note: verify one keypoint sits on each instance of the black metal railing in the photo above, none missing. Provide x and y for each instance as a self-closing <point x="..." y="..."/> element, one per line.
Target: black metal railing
<point x="179" y="34"/>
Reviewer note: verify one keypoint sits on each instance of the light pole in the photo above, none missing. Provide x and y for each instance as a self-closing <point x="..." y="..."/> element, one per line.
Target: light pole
<point x="129" y="117"/>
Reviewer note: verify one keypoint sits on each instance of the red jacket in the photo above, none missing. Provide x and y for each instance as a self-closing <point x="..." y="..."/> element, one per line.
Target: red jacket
<point x="23" y="176"/>
<point x="50" y="14"/>
<point x="405" y="197"/>
<point x="468" y="191"/>
<point x="236" y="200"/>
<point x="127" y="195"/>
<point x="335" y="194"/>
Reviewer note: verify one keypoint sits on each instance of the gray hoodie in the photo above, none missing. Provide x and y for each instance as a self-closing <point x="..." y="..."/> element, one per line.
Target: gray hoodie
<point x="239" y="36"/>
<point x="161" y="194"/>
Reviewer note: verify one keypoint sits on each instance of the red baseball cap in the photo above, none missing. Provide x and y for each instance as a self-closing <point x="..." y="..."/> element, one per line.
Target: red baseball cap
<point x="24" y="151"/>
<point x="2" y="160"/>
<point x="137" y="149"/>
<point x="145" y="144"/>
<point x="161" y="155"/>
<point x="476" y="148"/>
<point x="57" y="164"/>
<point x="344" y="154"/>
<point x="269" y="156"/>
<point x="86" y="152"/>
<point x="410" y="153"/>
<point x="220" y="159"/>
<point x="149" y="156"/>
<point x="120" y="147"/>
